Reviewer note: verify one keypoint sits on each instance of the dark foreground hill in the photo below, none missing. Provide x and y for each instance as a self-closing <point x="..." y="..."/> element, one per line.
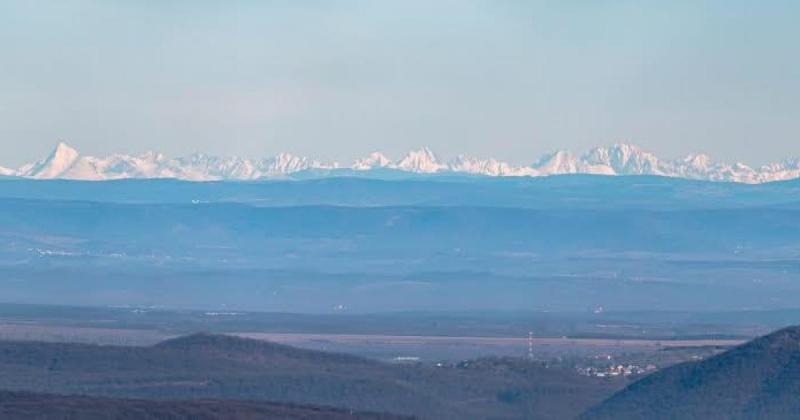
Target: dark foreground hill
<point x="26" y="406"/>
<point x="758" y="380"/>
<point x="222" y="367"/>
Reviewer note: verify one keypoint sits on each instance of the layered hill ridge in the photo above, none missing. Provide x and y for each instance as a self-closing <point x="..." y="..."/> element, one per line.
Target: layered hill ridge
<point x="26" y="405"/>
<point x="618" y="159"/>
<point x="758" y="380"/>
<point x="206" y="367"/>
<point x="563" y="243"/>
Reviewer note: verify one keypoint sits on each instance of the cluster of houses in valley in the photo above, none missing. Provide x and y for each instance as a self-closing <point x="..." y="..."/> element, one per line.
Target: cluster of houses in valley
<point x="616" y="370"/>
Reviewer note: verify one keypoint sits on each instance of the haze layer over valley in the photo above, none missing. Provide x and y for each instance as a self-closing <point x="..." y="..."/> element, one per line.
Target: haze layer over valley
<point x="564" y="243"/>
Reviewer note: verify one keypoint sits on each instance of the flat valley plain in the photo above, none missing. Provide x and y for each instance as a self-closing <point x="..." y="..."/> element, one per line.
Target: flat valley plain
<point x="428" y="336"/>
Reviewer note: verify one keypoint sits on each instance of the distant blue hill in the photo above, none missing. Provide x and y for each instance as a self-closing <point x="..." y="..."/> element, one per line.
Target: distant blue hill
<point x="570" y="191"/>
<point x="556" y="243"/>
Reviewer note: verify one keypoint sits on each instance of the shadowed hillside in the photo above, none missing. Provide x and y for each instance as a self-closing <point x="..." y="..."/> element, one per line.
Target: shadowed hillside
<point x="221" y="367"/>
<point x="24" y="406"/>
<point x="758" y="380"/>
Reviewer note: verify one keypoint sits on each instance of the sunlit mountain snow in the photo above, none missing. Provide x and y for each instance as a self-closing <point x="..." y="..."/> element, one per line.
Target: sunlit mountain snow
<point x="619" y="159"/>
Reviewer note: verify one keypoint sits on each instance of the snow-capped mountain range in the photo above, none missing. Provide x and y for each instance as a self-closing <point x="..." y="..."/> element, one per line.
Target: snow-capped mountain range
<point x="64" y="162"/>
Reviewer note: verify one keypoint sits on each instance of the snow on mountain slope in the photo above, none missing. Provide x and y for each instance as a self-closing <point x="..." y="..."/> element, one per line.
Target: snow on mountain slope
<point x="559" y="162"/>
<point x="491" y="167"/>
<point x="7" y="172"/>
<point x="621" y="159"/>
<point x="618" y="159"/>
<point x="55" y="165"/>
<point x="699" y="166"/>
<point x="375" y="160"/>
<point x="284" y="163"/>
<point x="420" y="161"/>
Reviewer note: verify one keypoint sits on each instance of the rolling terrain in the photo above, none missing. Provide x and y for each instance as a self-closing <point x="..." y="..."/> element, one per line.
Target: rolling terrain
<point x="612" y="260"/>
<point x="25" y="406"/>
<point x="757" y="380"/>
<point x="221" y="367"/>
<point x="572" y="243"/>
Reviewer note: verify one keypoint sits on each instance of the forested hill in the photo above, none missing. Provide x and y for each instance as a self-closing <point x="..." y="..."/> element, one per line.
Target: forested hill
<point x="214" y="367"/>
<point x="26" y="405"/>
<point x="758" y="380"/>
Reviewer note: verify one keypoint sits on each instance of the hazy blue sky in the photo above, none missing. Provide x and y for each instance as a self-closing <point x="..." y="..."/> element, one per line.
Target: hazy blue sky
<point x="337" y="79"/>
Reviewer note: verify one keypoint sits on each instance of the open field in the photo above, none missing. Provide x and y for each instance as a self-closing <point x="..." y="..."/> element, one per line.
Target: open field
<point x="454" y="348"/>
<point x="379" y="346"/>
<point x="489" y="341"/>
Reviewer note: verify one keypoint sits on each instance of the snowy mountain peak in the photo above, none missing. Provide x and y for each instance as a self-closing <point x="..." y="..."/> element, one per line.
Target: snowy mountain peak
<point x="55" y="165"/>
<point x="373" y="161"/>
<point x="491" y="167"/>
<point x="422" y="160"/>
<point x="621" y="159"/>
<point x="558" y="162"/>
<point x="618" y="154"/>
<point x="616" y="159"/>
<point x="63" y="155"/>
<point x="151" y="156"/>
<point x="287" y="163"/>
<point x="63" y="149"/>
<point x="697" y="160"/>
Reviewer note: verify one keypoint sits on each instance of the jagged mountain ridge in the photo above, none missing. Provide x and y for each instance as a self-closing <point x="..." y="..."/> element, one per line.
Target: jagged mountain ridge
<point x="618" y="159"/>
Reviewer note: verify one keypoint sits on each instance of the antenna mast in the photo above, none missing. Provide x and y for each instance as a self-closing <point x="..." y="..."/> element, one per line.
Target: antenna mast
<point x="530" y="345"/>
